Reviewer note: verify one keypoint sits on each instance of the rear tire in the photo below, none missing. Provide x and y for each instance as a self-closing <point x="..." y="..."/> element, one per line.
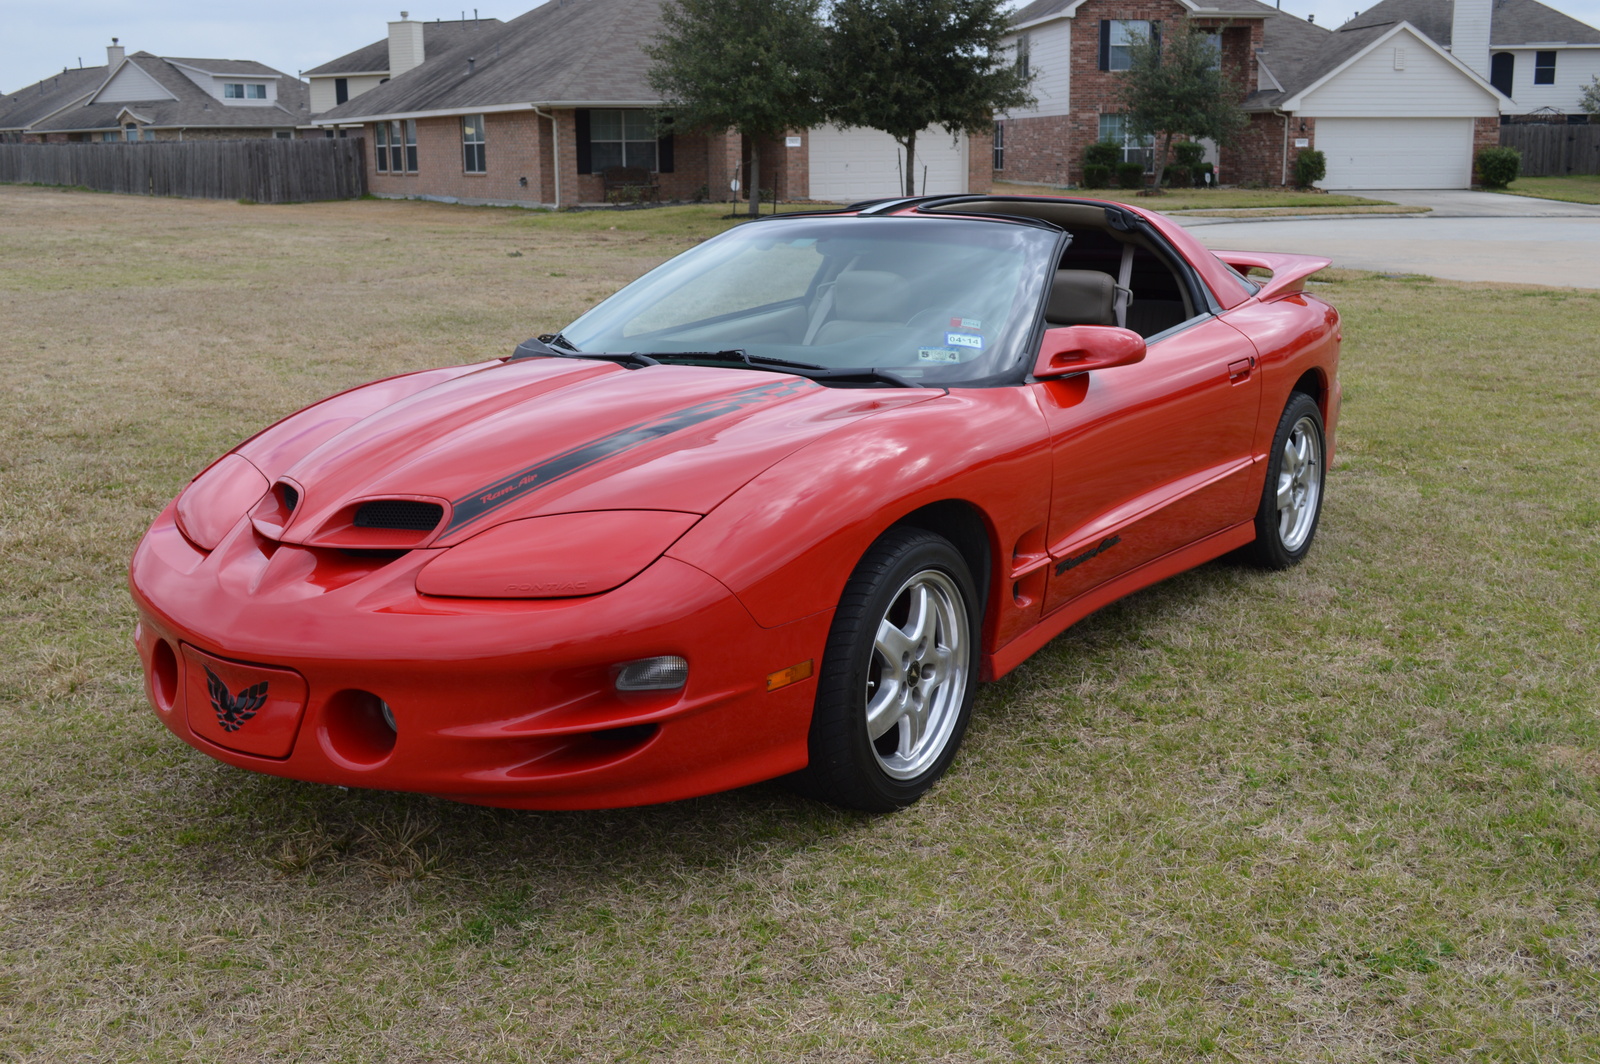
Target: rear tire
<point x="898" y="675"/>
<point x="1291" y="499"/>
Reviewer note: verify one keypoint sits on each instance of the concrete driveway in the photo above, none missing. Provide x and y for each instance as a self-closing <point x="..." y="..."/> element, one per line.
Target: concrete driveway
<point x="1469" y="236"/>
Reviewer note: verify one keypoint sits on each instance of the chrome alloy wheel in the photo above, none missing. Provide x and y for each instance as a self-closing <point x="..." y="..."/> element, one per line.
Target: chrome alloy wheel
<point x="1299" y="484"/>
<point x="917" y="680"/>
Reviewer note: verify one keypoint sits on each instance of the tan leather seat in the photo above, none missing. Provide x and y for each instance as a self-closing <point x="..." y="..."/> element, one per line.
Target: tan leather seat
<point x="866" y="302"/>
<point x="1082" y="297"/>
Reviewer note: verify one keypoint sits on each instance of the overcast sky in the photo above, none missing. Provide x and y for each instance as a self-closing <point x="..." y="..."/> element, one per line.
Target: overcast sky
<point x="38" y="39"/>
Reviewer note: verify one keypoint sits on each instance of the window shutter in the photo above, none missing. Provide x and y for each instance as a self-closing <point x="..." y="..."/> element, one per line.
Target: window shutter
<point x="1105" y="44"/>
<point x="664" y="154"/>
<point x="1155" y="37"/>
<point x="580" y="122"/>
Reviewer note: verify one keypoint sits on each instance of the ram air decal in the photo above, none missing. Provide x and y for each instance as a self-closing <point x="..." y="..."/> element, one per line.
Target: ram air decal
<point x="469" y="508"/>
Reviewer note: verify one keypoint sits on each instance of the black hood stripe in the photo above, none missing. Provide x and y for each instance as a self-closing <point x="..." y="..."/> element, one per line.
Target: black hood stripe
<point x="469" y="508"/>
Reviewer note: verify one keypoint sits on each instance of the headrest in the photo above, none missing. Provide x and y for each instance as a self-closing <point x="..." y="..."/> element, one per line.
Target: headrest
<point x="871" y="295"/>
<point x="1082" y="297"/>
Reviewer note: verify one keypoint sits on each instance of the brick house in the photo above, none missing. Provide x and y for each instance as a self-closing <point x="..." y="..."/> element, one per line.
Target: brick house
<point x="1401" y="96"/>
<point x="149" y="97"/>
<point x="1077" y="49"/>
<point x="530" y="112"/>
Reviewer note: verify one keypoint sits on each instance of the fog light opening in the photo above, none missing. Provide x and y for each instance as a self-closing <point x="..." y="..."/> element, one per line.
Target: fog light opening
<point x="163" y="675"/>
<point x="357" y="729"/>
<point x="665" y="673"/>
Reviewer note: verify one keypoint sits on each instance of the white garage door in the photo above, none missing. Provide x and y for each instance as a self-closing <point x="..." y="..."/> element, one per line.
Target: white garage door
<point x="859" y="164"/>
<point x="1396" y="152"/>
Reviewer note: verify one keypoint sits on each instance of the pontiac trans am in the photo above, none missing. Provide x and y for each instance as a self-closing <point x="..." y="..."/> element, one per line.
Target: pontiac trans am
<point x="772" y="510"/>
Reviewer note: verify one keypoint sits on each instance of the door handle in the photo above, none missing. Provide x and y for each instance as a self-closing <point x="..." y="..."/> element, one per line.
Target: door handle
<point x="1239" y="372"/>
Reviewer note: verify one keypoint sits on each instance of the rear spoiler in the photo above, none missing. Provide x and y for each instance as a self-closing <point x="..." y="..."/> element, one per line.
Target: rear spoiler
<point x="1289" y="272"/>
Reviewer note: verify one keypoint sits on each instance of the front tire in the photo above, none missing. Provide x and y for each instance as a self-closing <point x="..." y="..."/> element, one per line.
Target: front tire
<point x="898" y="675"/>
<point x="1291" y="499"/>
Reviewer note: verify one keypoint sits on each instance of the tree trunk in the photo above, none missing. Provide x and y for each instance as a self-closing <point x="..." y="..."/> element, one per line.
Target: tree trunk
<point x="1161" y="161"/>
<point x="910" y="144"/>
<point x="754" y="177"/>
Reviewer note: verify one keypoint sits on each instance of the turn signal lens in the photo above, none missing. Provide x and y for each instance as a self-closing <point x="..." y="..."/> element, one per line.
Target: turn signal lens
<point x="793" y="674"/>
<point x="217" y="499"/>
<point x="666" y="673"/>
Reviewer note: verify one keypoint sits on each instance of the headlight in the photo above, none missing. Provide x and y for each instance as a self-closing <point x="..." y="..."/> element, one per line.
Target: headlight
<point x="562" y="556"/>
<point x="216" y="500"/>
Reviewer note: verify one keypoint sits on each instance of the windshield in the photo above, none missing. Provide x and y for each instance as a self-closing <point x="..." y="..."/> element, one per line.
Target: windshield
<point x="937" y="301"/>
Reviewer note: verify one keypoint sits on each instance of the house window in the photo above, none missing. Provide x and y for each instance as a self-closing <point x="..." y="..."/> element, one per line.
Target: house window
<point x="1024" y="52"/>
<point x="283" y="134"/>
<point x="472" y="137"/>
<point x="1502" y="71"/>
<point x="1117" y="36"/>
<point x="395" y="146"/>
<point x="109" y="137"/>
<point x="233" y="90"/>
<point x="1544" y="68"/>
<point x="1134" y="149"/>
<point x="341" y="90"/>
<point x="1214" y="42"/>
<point x="621" y="138"/>
<point x="130" y="132"/>
<point x="999" y="145"/>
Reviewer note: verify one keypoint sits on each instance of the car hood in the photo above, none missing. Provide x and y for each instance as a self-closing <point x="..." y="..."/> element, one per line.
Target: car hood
<point x="544" y="436"/>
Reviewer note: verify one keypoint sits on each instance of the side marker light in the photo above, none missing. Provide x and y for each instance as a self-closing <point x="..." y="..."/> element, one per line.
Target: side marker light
<point x="793" y="674"/>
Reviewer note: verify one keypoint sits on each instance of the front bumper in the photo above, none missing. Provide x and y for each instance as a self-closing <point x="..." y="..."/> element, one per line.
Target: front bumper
<point x="497" y="702"/>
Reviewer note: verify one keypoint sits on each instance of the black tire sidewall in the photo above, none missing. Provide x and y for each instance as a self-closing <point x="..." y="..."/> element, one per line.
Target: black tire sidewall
<point x="1269" y="549"/>
<point x="844" y="768"/>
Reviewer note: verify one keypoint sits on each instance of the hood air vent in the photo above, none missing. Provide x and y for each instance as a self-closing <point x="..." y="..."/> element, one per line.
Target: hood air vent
<point x="402" y="514"/>
<point x="290" y="497"/>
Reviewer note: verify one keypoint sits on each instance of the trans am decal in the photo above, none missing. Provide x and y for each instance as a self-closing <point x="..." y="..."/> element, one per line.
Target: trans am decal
<point x="485" y="500"/>
<point x="1078" y="559"/>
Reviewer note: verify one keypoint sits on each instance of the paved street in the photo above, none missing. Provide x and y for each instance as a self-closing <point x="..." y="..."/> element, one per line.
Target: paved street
<point x="1469" y="236"/>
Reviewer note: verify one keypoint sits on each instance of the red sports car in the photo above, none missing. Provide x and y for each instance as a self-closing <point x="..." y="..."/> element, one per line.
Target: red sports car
<point x="773" y="509"/>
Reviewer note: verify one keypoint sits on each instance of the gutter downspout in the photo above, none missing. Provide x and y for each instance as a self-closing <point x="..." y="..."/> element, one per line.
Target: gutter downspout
<point x="555" y="149"/>
<point x="1283" y="157"/>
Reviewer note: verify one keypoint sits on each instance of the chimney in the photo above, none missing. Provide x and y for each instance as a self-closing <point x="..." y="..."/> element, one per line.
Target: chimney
<point x="405" y="45"/>
<point x="114" y="53"/>
<point x="1469" y="34"/>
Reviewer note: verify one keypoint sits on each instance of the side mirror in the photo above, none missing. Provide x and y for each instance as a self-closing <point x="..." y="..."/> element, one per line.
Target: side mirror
<point x="1080" y="348"/>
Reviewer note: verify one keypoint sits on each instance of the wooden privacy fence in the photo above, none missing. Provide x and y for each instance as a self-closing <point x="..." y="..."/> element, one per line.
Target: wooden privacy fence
<point x="1552" y="150"/>
<point x="267" y="171"/>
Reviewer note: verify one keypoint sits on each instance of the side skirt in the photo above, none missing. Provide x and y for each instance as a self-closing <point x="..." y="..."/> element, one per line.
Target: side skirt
<point x="999" y="662"/>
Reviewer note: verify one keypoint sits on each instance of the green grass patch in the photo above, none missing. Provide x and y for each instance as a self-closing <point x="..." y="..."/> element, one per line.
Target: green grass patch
<point x="1573" y="188"/>
<point x="1350" y="812"/>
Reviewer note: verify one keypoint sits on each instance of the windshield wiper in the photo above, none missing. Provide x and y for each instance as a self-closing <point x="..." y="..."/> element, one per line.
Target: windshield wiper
<point x="865" y="373"/>
<point x="543" y="347"/>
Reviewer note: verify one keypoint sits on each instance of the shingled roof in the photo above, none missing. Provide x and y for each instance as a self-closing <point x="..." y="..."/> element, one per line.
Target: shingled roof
<point x="1513" y="22"/>
<point x="187" y="105"/>
<point x="20" y="109"/>
<point x="562" y="53"/>
<point x="437" y="37"/>
<point x="1040" y="9"/>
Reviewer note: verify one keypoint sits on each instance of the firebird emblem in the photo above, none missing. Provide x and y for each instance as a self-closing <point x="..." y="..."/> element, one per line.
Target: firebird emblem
<point x="234" y="710"/>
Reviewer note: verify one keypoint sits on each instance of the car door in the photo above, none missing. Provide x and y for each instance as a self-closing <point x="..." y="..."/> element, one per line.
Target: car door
<point x="1150" y="457"/>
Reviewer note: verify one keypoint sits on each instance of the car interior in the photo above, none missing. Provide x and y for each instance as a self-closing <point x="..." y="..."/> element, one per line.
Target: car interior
<point x="1089" y="274"/>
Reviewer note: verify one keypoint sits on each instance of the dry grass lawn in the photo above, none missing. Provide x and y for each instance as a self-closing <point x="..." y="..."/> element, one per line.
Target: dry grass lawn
<point x="1346" y="813"/>
<point x="1574" y="188"/>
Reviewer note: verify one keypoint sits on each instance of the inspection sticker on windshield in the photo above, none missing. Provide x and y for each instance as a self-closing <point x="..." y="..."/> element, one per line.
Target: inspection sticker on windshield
<point x="964" y="340"/>
<point x="966" y="323"/>
<point x="938" y="354"/>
